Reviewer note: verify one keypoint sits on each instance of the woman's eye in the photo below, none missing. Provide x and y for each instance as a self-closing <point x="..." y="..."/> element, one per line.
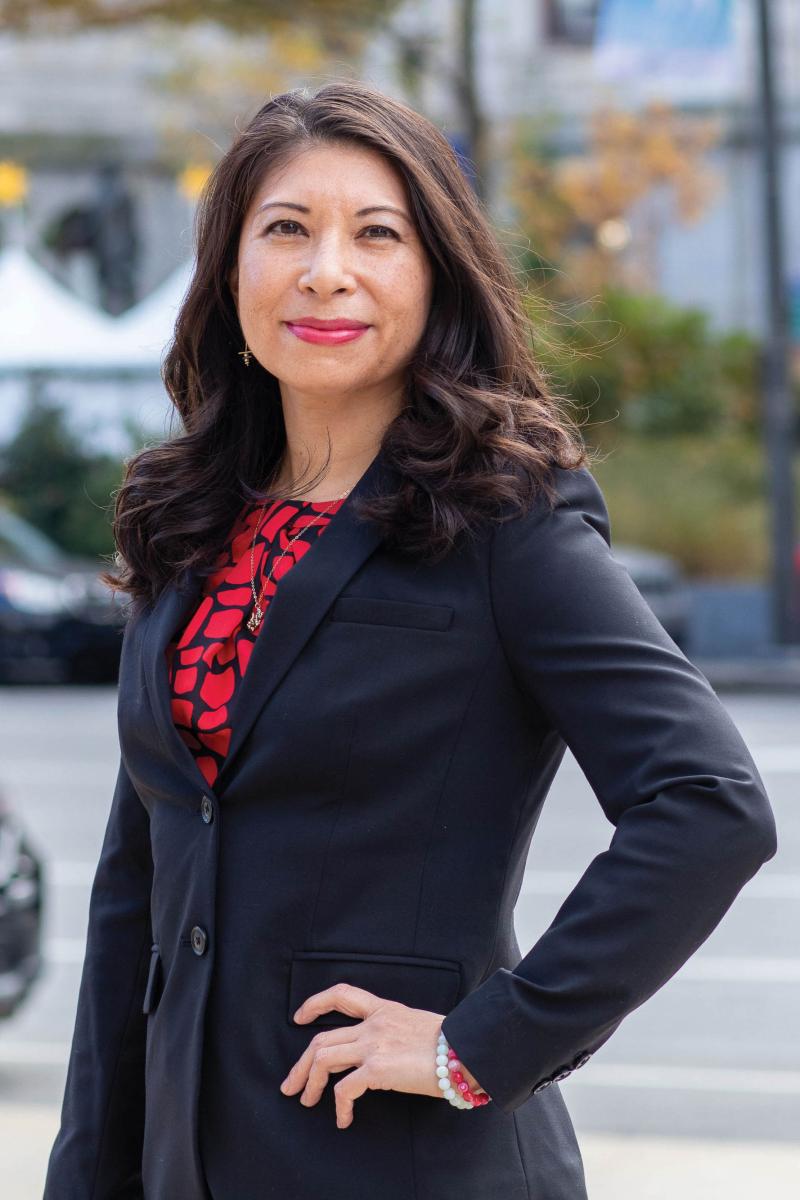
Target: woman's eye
<point x="275" y="224"/>
<point x="287" y="221"/>
<point x="385" y="228"/>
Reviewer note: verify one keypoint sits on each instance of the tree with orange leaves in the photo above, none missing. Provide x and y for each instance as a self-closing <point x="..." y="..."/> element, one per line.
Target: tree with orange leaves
<point x="595" y="218"/>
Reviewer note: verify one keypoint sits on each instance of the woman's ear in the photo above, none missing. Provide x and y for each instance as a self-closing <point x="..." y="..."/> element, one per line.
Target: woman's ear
<point x="233" y="284"/>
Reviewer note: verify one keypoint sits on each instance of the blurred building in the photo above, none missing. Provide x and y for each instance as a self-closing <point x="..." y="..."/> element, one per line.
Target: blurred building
<point x="105" y="121"/>
<point x="537" y="57"/>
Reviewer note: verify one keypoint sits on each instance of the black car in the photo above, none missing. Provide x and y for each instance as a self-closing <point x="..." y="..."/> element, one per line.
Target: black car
<point x="21" y="904"/>
<point x="58" y="622"/>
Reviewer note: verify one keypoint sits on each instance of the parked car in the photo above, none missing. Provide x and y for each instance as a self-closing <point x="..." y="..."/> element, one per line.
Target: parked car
<point x="662" y="583"/>
<point x="21" y="905"/>
<point x="58" y="622"/>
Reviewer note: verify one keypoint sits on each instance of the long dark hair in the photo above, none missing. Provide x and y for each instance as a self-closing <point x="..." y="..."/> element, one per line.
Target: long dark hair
<point x="479" y="427"/>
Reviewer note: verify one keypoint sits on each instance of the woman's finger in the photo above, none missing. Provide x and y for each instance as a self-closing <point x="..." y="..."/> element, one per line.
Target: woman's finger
<point x="328" y="1060"/>
<point x="298" y="1074"/>
<point x="340" y="997"/>
<point x="372" y="1075"/>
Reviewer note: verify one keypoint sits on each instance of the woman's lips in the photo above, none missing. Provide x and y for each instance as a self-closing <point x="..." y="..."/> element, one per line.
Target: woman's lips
<point x="325" y="337"/>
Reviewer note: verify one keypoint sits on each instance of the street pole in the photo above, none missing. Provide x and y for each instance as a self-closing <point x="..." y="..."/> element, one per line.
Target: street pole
<point x="779" y="433"/>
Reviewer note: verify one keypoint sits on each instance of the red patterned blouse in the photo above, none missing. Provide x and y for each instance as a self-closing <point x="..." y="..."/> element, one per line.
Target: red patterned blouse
<point x="209" y="658"/>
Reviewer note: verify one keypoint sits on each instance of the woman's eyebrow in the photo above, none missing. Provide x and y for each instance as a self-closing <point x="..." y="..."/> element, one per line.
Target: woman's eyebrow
<point x="362" y="212"/>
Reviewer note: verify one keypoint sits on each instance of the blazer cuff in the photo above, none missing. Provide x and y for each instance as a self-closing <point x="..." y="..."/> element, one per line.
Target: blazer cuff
<point x="486" y="1030"/>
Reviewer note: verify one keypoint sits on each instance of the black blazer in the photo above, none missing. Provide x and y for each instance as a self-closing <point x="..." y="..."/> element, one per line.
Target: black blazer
<point x="394" y="739"/>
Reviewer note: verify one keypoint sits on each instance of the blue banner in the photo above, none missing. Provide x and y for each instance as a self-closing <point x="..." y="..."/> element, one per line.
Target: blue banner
<point x="666" y="38"/>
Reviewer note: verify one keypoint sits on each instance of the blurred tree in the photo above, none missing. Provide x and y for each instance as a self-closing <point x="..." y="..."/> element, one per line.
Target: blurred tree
<point x="106" y="226"/>
<point x="595" y="218"/>
<point x="56" y="483"/>
<point x="338" y="18"/>
<point x="641" y="365"/>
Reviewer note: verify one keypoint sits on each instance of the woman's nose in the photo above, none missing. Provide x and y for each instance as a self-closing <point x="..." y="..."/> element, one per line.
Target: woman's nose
<point x="328" y="263"/>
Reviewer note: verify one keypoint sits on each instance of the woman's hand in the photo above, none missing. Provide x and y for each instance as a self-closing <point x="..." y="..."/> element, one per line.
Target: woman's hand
<point x="393" y="1049"/>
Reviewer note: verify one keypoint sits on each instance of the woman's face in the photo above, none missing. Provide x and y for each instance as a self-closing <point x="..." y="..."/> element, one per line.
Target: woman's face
<point x="307" y="250"/>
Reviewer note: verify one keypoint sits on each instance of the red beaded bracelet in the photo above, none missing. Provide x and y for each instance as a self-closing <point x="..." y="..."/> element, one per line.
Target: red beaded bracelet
<point x="457" y="1078"/>
<point x="451" y="1080"/>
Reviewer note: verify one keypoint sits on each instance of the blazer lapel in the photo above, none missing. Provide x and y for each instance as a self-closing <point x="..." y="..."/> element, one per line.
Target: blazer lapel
<point x="171" y="610"/>
<point x="299" y="603"/>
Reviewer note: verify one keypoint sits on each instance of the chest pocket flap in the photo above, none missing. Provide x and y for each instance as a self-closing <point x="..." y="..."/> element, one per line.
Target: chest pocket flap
<point x="376" y="610"/>
<point x="420" y="982"/>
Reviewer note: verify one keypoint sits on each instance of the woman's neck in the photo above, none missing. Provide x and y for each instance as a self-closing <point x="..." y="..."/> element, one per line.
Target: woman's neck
<point x="338" y="481"/>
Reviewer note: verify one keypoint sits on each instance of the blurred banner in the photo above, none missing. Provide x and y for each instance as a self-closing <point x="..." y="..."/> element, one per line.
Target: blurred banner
<point x="667" y="41"/>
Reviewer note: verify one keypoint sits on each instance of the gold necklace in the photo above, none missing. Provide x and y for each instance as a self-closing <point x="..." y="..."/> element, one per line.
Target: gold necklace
<point x="257" y="614"/>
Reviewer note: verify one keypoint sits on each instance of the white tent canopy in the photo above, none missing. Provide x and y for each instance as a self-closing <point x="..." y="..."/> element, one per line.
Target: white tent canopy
<point x="43" y="326"/>
<point x="145" y="329"/>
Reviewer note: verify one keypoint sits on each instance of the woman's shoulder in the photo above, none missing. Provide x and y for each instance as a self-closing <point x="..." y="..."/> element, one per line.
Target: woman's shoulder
<point x="569" y="497"/>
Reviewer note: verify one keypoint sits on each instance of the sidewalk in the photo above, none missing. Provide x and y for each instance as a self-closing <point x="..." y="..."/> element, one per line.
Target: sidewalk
<point x="617" y="1168"/>
<point x="647" y="1168"/>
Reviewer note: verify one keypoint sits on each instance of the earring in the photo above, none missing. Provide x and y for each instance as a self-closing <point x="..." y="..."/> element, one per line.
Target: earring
<point x="245" y="354"/>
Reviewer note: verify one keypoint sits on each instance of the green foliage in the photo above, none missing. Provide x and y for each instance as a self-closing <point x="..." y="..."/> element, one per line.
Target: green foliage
<point x="242" y="16"/>
<point x="647" y="366"/>
<point x="672" y="413"/>
<point x="702" y="500"/>
<point x="49" y="477"/>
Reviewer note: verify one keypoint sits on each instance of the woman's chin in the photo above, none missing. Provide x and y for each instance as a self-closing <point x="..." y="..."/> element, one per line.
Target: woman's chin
<point x="325" y="383"/>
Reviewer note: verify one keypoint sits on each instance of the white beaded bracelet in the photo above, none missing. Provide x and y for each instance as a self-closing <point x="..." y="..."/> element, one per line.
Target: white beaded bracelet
<point x="444" y="1065"/>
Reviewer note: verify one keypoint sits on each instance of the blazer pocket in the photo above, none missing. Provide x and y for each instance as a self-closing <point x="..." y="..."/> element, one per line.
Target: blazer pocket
<point x="152" y="991"/>
<point x="376" y="610"/>
<point x="421" y="982"/>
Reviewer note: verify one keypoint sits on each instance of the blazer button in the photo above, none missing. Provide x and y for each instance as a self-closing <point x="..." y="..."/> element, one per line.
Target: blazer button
<point x="541" y="1086"/>
<point x="582" y="1059"/>
<point x="561" y="1075"/>
<point x="207" y="810"/>
<point x="199" y="940"/>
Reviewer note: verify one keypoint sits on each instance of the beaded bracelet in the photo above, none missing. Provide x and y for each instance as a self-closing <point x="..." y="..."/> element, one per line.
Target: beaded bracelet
<point x="451" y="1080"/>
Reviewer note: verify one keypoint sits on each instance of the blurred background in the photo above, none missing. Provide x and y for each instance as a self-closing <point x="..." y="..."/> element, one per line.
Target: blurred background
<point x="639" y="159"/>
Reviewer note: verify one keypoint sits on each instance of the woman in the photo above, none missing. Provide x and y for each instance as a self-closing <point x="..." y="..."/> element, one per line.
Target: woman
<point x="374" y="601"/>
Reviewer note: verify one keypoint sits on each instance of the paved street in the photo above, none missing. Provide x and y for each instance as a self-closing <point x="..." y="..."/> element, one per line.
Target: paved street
<point x="697" y="1093"/>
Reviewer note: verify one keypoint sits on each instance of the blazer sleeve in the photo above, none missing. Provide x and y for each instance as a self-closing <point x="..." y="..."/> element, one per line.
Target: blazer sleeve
<point x="692" y="818"/>
<point x="97" y="1153"/>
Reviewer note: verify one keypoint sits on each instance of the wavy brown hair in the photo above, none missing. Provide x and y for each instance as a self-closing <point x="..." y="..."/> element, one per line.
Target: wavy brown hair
<point x="479" y="428"/>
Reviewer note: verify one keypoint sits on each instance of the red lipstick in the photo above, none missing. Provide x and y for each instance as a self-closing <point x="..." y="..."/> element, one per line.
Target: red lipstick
<point x="326" y="332"/>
